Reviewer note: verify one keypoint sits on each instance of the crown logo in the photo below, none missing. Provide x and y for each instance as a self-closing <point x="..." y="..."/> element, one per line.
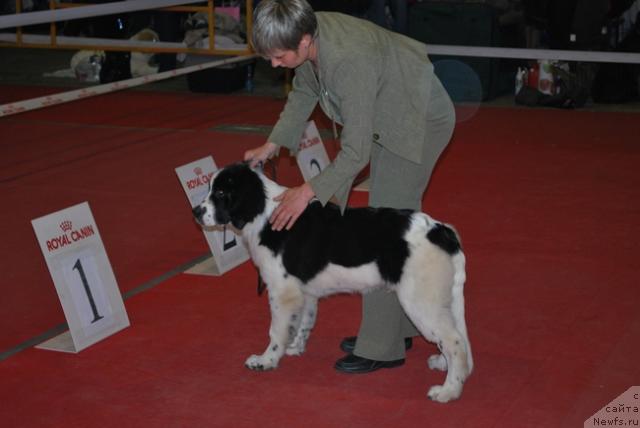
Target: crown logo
<point x="197" y="170"/>
<point x="66" y="226"/>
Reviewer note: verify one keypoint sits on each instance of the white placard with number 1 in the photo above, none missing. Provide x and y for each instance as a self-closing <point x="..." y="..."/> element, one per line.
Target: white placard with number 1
<point x="83" y="277"/>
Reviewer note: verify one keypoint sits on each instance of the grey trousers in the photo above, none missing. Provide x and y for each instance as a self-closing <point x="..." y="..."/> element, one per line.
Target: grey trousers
<point x="398" y="183"/>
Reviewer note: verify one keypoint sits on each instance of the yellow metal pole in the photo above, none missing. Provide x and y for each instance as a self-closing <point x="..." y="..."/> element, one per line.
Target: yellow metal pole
<point x="19" y="29"/>
<point x="212" y="21"/>
<point x="249" y="22"/>
<point x="52" y="26"/>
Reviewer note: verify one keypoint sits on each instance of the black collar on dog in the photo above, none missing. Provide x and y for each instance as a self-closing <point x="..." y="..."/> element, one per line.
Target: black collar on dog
<point x="261" y="285"/>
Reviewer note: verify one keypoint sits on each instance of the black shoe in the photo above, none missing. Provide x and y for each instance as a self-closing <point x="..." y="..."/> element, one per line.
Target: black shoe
<point x="354" y="364"/>
<point x="348" y="344"/>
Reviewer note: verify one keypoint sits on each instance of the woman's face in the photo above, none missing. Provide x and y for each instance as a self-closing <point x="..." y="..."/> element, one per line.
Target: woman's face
<point x="290" y="58"/>
<point x="286" y="58"/>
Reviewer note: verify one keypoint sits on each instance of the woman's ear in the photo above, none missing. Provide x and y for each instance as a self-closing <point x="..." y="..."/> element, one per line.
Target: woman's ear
<point x="305" y="41"/>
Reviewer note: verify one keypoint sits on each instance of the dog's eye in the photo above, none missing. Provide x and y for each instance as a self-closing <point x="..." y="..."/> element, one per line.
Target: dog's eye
<point x="218" y="194"/>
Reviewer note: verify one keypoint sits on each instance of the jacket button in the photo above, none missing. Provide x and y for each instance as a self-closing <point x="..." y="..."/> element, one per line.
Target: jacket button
<point x="376" y="137"/>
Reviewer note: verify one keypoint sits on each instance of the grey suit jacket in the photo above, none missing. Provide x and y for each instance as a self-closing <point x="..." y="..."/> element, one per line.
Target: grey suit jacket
<point x="375" y="83"/>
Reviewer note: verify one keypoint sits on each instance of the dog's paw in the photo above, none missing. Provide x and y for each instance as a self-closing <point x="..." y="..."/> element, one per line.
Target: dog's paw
<point x="443" y="394"/>
<point x="260" y="363"/>
<point x="437" y="362"/>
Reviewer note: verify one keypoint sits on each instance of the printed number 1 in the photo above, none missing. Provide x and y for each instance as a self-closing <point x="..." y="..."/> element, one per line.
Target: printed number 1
<point x="85" y="283"/>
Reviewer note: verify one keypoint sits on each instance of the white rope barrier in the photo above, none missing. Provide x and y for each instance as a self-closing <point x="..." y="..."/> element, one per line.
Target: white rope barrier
<point x="470" y="51"/>
<point x="47" y="16"/>
<point x="549" y="54"/>
<point x="49" y="100"/>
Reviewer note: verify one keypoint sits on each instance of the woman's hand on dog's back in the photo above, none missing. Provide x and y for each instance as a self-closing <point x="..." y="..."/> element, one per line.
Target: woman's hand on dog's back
<point x="293" y="202"/>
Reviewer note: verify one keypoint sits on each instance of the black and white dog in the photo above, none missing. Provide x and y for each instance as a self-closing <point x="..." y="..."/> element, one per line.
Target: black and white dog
<point x="326" y="253"/>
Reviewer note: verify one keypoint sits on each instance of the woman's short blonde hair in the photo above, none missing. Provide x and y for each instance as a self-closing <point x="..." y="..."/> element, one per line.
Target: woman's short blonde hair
<point x="281" y="24"/>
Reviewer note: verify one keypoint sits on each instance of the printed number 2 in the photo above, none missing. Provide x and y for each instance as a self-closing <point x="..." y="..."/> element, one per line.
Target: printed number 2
<point x="227" y="244"/>
<point x="85" y="283"/>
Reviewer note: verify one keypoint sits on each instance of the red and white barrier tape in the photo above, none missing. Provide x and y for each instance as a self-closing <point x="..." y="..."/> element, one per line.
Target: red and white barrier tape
<point x="64" y="97"/>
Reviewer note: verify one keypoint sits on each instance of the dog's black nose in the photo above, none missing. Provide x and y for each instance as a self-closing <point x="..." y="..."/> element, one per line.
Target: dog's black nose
<point x="198" y="211"/>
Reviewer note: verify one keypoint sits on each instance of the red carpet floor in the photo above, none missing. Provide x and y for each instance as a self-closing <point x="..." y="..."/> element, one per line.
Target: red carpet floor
<point x="546" y="202"/>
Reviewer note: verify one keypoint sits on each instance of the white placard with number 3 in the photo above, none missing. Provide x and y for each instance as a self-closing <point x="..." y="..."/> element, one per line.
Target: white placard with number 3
<point x="312" y="156"/>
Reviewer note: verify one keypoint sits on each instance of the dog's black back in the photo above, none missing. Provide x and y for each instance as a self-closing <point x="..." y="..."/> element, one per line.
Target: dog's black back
<point x="321" y="235"/>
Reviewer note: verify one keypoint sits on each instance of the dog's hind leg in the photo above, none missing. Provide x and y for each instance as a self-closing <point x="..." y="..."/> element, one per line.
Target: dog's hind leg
<point x="428" y="305"/>
<point x="307" y="321"/>
<point x="286" y="302"/>
<point x="437" y="325"/>
<point x="451" y="345"/>
<point x="457" y="304"/>
<point x="438" y="361"/>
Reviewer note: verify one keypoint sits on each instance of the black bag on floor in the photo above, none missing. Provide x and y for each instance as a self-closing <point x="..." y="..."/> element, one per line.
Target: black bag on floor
<point x="116" y="66"/>
<point x="217" y="80"/>
<point x="573" y="89"/>
<point x="221" y="80"/>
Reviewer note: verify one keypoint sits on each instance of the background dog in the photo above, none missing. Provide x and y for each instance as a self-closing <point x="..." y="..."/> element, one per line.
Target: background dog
<point x="326" y="253"/>
<point x="140" y="64"/>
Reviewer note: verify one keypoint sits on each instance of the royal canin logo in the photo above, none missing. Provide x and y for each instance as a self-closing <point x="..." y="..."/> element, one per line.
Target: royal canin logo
<point x="201" y="179"/>
<point x="69" y="235"/>
<point x="305" y="143"/>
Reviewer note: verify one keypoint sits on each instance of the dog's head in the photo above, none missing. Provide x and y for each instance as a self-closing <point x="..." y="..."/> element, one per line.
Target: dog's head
<point x="236" y="195"/>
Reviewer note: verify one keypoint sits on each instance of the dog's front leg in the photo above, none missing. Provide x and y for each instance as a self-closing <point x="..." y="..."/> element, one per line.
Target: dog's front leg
<point x="307" y="321"/>
<point x="285" y="302"/>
